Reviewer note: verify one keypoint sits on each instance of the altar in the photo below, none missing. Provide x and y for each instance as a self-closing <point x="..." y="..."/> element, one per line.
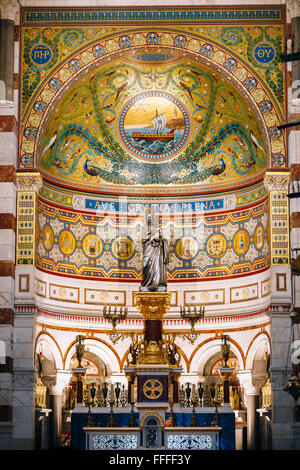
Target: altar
<point x="154" y="417"/>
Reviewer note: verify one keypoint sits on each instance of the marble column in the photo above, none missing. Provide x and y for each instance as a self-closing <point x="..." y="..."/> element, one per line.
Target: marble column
<point x="252" y="386"/>
<point x="56" y="403"/>
<point x="9" y="10"/>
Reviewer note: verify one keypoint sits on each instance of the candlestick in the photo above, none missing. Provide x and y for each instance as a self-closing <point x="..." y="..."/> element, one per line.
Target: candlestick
<point x="171" y="393"/>
<point x="132" y="392"/>
<point x="112" y="391"/>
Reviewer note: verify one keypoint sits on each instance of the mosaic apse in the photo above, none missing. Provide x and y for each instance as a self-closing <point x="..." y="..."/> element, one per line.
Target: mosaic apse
<point x="241" y="44"/>
<point x="172" y="123"/>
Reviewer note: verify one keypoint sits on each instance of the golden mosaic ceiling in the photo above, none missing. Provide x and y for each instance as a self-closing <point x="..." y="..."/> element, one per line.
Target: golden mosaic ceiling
<point x="152" y="120"/>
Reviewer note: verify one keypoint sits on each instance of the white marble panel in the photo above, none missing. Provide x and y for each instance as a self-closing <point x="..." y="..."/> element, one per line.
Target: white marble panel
<point x="204" y="296"/>
<point x="101" y="297"/>
<point x="16" y="56"/>
<point x="63" y="293"/>
<point x="107" y="291"/>
<point x="7" y="108"/>
<point x="7" y="252"/>
<point x="23" y="350"/>
<point x="294" y="146"/>
<point x="8" y="148"/>
<point x="23" y="335"/>
<point x="8" y="204"/>
<point x="7" y="236"/>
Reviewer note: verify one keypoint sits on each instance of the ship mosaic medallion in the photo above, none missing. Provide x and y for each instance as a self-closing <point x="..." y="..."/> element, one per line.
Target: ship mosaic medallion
<point x="154" y="126"/>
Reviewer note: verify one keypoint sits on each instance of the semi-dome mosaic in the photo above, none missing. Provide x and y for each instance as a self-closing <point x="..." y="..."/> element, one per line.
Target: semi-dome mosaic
<point x="153" y="120"/>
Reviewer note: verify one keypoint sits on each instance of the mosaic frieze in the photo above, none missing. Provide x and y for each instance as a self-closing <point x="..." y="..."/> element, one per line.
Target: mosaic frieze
<point x="76" y="200"/>
<point x="109" y="245"/>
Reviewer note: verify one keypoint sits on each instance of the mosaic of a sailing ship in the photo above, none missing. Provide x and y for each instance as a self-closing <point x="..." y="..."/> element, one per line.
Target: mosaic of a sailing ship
<point x="154" y="127"/>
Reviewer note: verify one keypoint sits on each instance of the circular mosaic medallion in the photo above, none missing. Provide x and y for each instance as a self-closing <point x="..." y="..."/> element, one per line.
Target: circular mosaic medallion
<point x="241" y="242"/>
<point x="48" y="237"/>
<point x="154" y="126"/>
<point x="122" y="248"/>
<point x="186" y="248"/>
<point x="264" y="53"/>
<point x="41" y="54"/>
<point x="66" y="242"/>
<point x="216" y="245"/>
<point x="259" y="237"/>
<point x="92" y="246"/>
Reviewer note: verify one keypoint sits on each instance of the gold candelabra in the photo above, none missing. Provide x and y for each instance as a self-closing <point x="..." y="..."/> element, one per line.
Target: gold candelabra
<point x="115" y="314"/>
<point x="192" y="314"/>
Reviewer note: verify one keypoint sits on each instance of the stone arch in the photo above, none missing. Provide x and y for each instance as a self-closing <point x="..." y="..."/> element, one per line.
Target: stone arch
<point x="207" y="349"/>
<point x="259" y="345"/>
<point x="97" y="52"/>
<point x="53" y="346"/>
<point x="149" y="415"/>
<point x="101" y="349"/>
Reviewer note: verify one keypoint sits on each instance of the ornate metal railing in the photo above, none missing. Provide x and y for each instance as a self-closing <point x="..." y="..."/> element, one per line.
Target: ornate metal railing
<point x="200" y="396"/>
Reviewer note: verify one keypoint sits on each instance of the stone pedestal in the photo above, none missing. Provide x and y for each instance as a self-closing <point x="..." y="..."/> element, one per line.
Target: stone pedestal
<point x="79" y="373"/>
<point x="153" y="306"/>
<point x="42" y="429"/>
<point x="226" y="374"/>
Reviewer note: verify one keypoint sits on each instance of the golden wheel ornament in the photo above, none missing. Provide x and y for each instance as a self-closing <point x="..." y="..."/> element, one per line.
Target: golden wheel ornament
<point x="152" y="389"/>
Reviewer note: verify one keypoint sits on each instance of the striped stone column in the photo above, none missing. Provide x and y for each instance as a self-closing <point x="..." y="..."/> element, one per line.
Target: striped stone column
<point x="24" y="376"/>
<point x="8" y="153"/>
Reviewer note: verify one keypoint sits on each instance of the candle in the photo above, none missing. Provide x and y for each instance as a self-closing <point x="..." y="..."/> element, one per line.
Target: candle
<point x="171" y="393"/>
<point x="112" y="391"/>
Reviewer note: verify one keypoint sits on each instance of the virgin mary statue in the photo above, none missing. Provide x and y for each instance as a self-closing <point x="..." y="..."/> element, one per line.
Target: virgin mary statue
<point x="155" y="259"/>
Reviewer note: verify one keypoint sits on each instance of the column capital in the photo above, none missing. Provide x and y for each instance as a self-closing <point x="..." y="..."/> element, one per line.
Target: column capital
<point x="29" y="181"/>
<point x="9" y="9"/>
<point x="56" y="387"/>
<point x="250" y="382"/>
<point x="277" y="180"/>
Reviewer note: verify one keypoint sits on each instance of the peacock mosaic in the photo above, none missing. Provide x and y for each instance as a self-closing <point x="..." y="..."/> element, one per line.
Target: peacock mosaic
<point x="107" y="245"/>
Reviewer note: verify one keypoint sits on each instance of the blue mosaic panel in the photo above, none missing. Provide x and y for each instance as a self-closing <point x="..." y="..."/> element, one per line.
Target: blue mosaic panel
<point x="114" y="441"/>
<point x="191" y="441"/>
<point x="172" y="15"/>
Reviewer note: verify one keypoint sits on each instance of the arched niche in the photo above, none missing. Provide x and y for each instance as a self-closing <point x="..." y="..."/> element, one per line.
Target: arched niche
<point x="49" y="350"/>
<point x="97" y="370"/>
<point x="256" y="355"/>
<point x="99" y="349"/>
<point x="208" y="350"/>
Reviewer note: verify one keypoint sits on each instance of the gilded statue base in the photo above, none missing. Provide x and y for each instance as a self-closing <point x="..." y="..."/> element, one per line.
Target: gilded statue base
<point x="226" y="373"/>
<point x="153" y="352"/>
<point x="153" y="305"/>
